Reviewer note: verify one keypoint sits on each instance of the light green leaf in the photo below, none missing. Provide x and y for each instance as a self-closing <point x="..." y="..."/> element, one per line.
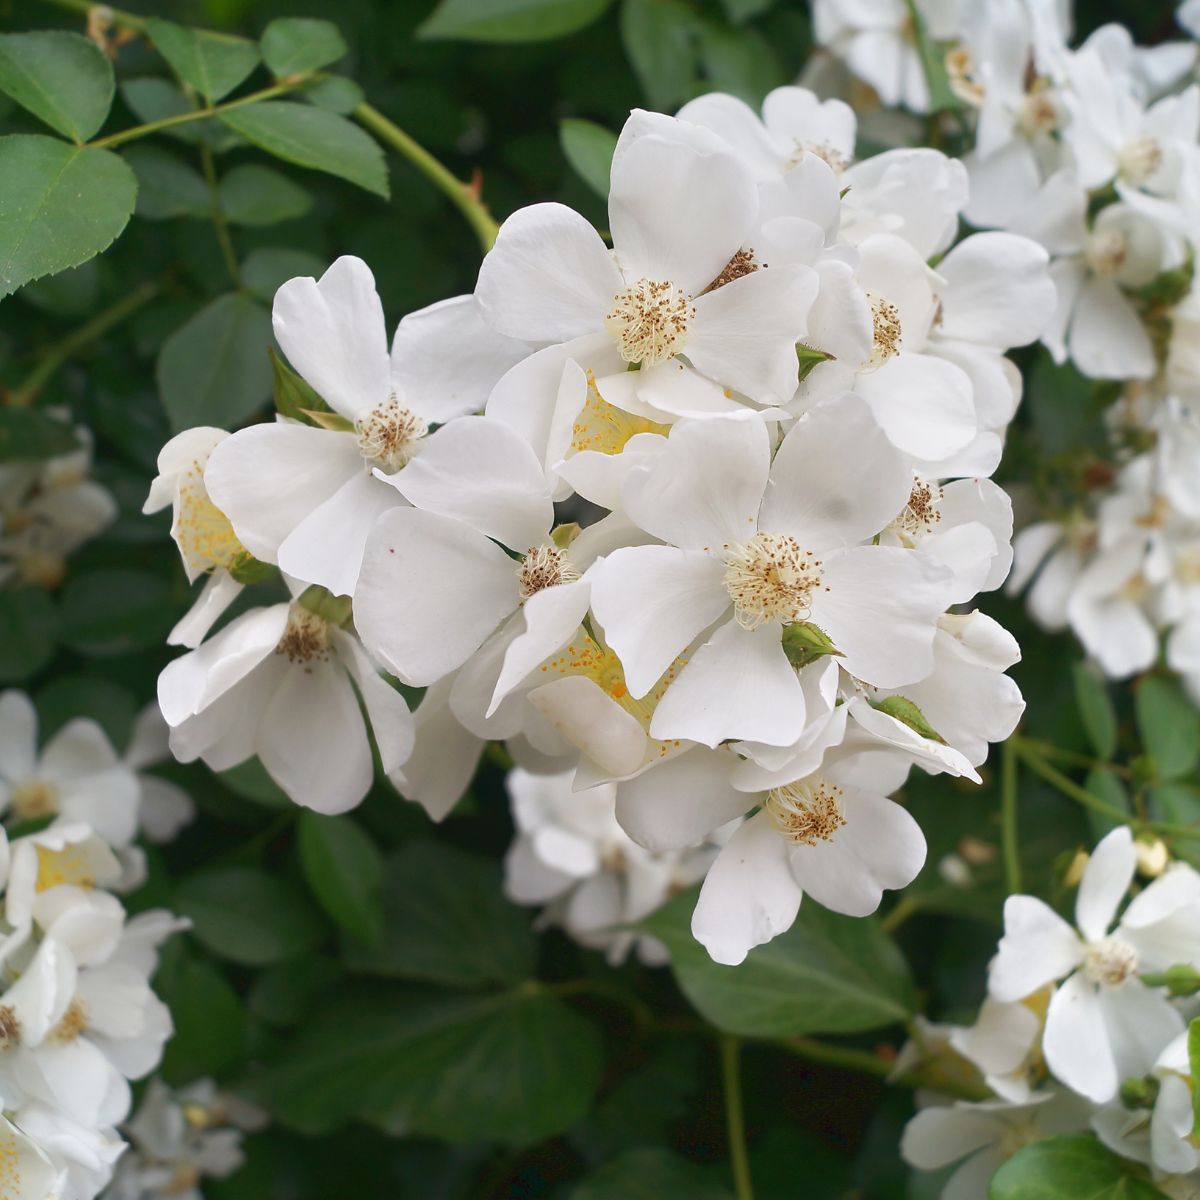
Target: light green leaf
<point x="213" y="63"/>
<point x="256" y="195"/>
<point x="312" y="137"/>
<point x="266" y="269"/>
<point x="1168" y="725"/>
<point x="334" y="93"/>
<point x="1074" y="1165"/>
<point x="589" y="149"/>
<point x="113" y="611"/>
<point x="517" y="1067"/>
<point x="167" y="187"/>
<point x="661" y="42"/>
<point x="62" y="78"/>
<point x="827" y="974"/>
<point x="446" y="921"/>
<point x="210" y="1025"/>
<point x="59" y="206"/>
<point x="297" y="45"/>
<point x="510" y="20"/>
<point x="344" y="869"/>
<point x="154" y="98"/>
<point x="1095" y="710"/>
<point x="249" y="917"/>
<point x="214" y="370"/>
<point x="27" y="435"/>
<point x="28" y="632"/>
<point x="651" y="1174"/>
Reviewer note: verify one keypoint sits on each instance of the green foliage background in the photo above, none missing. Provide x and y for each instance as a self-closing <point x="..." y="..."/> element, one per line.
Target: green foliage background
<point x="362" y="976"/>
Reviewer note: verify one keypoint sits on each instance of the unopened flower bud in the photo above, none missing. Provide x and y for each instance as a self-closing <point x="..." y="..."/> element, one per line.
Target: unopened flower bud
<point x="1152" y="856"/>
<point x="1076" y="869"/>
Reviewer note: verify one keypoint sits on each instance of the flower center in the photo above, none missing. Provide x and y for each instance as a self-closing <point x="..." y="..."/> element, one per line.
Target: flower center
<point x="73" y="1023"/>
<point x="742" y="263"/>
<point x="830" y="155"/>
<point x="71" y="865"/>
<point x="306" y="637"/>
<point x="33" y="799"/>
<point x="10" y="1028"/>
<point x="770" y="578"/>
<point x="543" y="567"/>
<point x="1107" y="250"/>
<point x="920" y="514"/>
<point x="807" y="811"/>
<point x="203" y="532"/>
<point x="388" y="437"/>
<point x="604" y="428"/>
<point x="885" y="320"/>
<point x="1139" y="159"/>
<point x="1110" y="962"/>
<point x="1037" y="113"/>
<point x="40" y="567"/>
<point x="649" y="320"/>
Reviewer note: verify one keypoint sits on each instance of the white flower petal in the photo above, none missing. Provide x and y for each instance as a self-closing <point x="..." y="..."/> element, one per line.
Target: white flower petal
<point x="1075" y="1041"/>
<point x="387" y="710"/>
<point x="1105" y="882"/>
<point x="924" y="404"/>
<point x="18" y="736"/>
<point x="1107" y="338"/>
<point x="1038" y="947"/>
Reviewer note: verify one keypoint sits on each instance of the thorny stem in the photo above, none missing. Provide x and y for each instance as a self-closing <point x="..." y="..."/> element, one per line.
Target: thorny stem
<point x="463" y="196"/>
<point x="735" y="1121"/>
<point x="27" y="390"/>
<point x="1008" y="817"/>
<point x="220" y="224"/>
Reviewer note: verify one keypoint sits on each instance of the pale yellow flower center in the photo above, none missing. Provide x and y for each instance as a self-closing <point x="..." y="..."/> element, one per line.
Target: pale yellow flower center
<point x="306" y="638"/>
<point x="205" y="536"/>
<point x="807" y="811"/>
<point x="388" y="437"/>
<point x="543" y="567"/>
<point x="1110" y="962"/>
<point x="885" y="330"/>
<point x="33" y="799"/>
<point x="649" y="320"/>
<point x="770" y="577"/>
<point x="604" y="428"/>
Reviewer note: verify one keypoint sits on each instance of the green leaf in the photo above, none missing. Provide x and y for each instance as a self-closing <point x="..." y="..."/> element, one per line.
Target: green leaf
<point x="28" y="632"/>
<point x="71" y="293"/>
<point x="213" y="63"/>
<point x="167" y="187"/>
<point x="827" y="974"/>
<point x="1073" y="1165"/>
<point x="933" y="63"/>
<point x="60" y="205"/>
<point x="510" y="20"/>
<point x="250" y="780"/>
<point x="256" y="195"/>
<point x="267" y="269"/>
<point x="297" y="45"/>
<point x="345" y="871"/>
<point x="75" y="695"/>
<point x="743" y="10"/>
<point x="446" y="921"/>
<point x="154" y="98"/>
<point x="334" y="93"/>
<point x="214" y="369"/>
<point x="249" y="917"/>
<point x="27" y="435"/>
<point x="62" y="78"/>
<point x="589" y="149"/>
<point x="312" y="137"/>
<point x="113" y="611"/>
<point x="661" y="39"/>
<point x="651" y="1174"/>
<point x="1095" y="710"/>
<point x="293" y="397"/>
<point x="210" y="1026"/>
<point x="517" y="1067"/>
<point x="739" y="62"/>
<point x="1168" y="725"/>
<point x="1106" y="786"/>
<point x="283" y="995"/>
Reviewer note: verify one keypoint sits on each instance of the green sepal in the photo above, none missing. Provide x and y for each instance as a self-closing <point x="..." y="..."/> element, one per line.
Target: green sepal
<point x="250" y="570"/>
<point x="1141" y="1091"/>
<point x="1180" y="979"/>
<point x="325" y="419"/>
<point x="907" y="713"/>
<point x="810" y="357"/>
<point x="324" y="604"/>
<point x="804" y="643"/>
<point x="293" y="397"/>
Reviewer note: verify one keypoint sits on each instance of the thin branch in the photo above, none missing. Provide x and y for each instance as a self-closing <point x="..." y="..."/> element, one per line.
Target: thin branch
<point x="1008" y="817"/>
<point x="735" y="1120"/>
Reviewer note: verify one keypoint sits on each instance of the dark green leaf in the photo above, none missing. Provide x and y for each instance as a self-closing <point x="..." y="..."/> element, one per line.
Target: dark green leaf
<point x="652" y="1174"/>
<point x="248" y="916"/>
<point x="510" y="20"/>
<point x="1106" y="786"/>
<point x="589" y="149"/>
<point x="28" y="632"/>
<point x="743" y="10"/>
<point x="27" y="435"/>
<point x="256" y="195"/>
<point x="1095" y="710"/>
<point x="71" y="293"/>
<point x="103" y="700"/>
<point x="113" y="610"/>
<point x="210" y="1026"/>
<point x="1074" y="1165"/>
<point x="282" y="995"/>
<point x="250" y="780"/>
<point x="167" y="187"/>
<point x="516" y="1067"/>
<point x="739" y="61"/>
<point x="660" y="38"/>
<point x="60" y="77"/>
<point x="312" y="137"/>
<point x="1168" y="725"/>
<point x="345" y="871"/>
<point x="213" y="63"/>
<point x="214" y="370"/>
<point x="297" y="45"/>
<point x="335" y="93"/>
<point x="154" y="98"/>
<point x="60" y="205"/>
<point x="827" y="974"/>
<point x="446" y="921"/>
<point x="267" y="269"/>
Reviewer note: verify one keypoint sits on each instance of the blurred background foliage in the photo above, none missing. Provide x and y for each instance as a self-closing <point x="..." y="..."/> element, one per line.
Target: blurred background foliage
<point x="363" y="977"/>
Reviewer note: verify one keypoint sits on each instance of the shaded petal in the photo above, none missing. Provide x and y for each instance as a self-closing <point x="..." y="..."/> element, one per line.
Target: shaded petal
<point x="1038" y="947"/>
<point x="1107" y="338"/>
<point x="387" y="710"/>
<point x="1075" y="1041"/>
<point x="18" y="736"/>
<point x="1105" y="881"/>
<point x="585" y="716"/>
<point x="925" y="404"/>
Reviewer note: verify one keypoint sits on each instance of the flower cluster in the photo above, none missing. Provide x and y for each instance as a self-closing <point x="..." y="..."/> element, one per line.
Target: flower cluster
<point x="1093" y="151"/>
<point x="688" y="523"/>
<point x="78" y="1018"/>
<point x="1085" y="1028"/>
